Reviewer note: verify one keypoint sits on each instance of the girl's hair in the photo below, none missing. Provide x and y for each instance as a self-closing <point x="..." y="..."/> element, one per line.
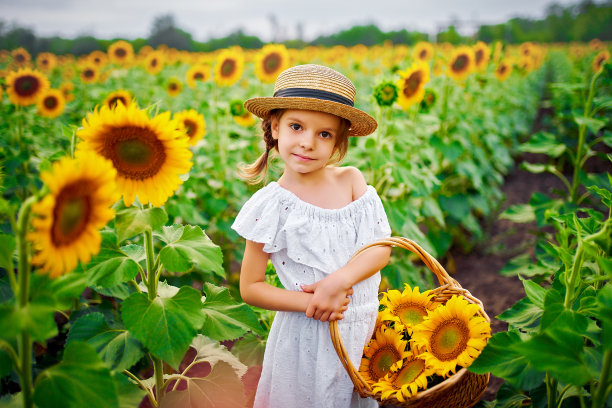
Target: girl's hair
<point x="257" y="171"/>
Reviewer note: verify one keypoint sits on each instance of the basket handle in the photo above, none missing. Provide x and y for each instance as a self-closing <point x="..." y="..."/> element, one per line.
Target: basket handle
<point x="448" y="287"/>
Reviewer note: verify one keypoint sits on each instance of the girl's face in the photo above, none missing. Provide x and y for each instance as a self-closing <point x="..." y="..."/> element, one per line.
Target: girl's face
<point x="306" y="139"/>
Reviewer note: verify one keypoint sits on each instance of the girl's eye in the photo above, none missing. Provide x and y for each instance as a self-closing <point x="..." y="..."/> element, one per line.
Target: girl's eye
<point x="326" y="135"/>
<point x="295" y="126"/>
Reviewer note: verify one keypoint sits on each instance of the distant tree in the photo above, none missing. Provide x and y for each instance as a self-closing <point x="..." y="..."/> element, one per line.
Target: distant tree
<point x="450" y="36"/>
<point x="165" y="32"/>
<point x="84" y="45"/>
<point x="16" y="37"/>
<point x="236" y="38"/>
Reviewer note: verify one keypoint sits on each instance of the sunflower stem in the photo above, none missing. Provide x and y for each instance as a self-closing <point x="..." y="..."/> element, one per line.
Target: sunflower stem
<point x="551" y="391"/>
<point x="23" y="271"/>
<point x="600" y="394"/>
<point x="445" y="95"/>
<point x="581" y="139"/>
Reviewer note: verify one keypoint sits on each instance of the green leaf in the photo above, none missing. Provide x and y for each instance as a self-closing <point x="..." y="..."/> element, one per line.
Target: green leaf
<point x="555" y="351"/>
<point x="37" y="318"/>
<point x="250" y="350"/>
<point x="188" y="246"/>
<point x="430" y="208"/>
<point x="604" y="301"/>
<point x="519" y="213"/>
<point x="500" y="359"/>
<point x="7" y="249"/>
<point x="165" y="326"/>
<point x="523" y="265"/>
<point x="534" y="292"/>
<point x="133" y="221"/>
<point x="523" y="314"/>
<point x="544" y="143"/>
<point x="116" y="346"/>
<point x="594" y="125"/>
<point x="227" y="319"/>
<point x="111" y="266"/>
<point x="81" y="379"/>
<point x="6" y="364"/>
<point x="556" y="315"/>
<point x="537" y="168"/>
<point x="457" y="206"/>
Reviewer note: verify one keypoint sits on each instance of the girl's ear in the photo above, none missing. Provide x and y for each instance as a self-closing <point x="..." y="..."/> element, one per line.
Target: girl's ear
<point x="274" y="125"/>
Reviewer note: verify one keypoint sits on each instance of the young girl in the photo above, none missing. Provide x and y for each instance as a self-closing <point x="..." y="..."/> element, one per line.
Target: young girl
<point x="309" y="223"/>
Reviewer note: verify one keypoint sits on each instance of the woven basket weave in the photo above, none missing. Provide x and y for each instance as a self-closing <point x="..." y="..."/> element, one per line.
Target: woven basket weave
<point x="461" y="390"/>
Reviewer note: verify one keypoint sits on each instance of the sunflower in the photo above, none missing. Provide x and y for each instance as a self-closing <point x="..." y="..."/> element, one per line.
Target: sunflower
<point x="67" y="88"/>
<point x="246" y="119"/>
<point x="407" y="308"/>
<point x="66" y="221"/>
<point x="481" y="55"/>
<point x="51" y="103"/>
<point x="197" y="73"/>
<point x="599" y="60"/>
<point x="412" y="84"/>
<point x="89" y="73"/>
<point x="46" y="61"/>
<point x="453" y="334"/>
<point x="192" y="124"/>
<point x="429" y="100"/>
<point x="271" y="61"/>
<point x="25" y="86"/>
<point x="385" y="93"/>
<point x="423" y="51"/>
<point x="405" y="378"/>
<point x="149" y="154"/>
<point x="21" y="57"/>
<point x="115" y="97"/>
<point x="121" y="52"/>
<point x="461" y="63"/>
<point x="154" y="62"/>
<point x="98" y="58"/>
<point x="174" y="86"/>
<point x="384" y="350"/>
<point x="229" y="67"/>
<point x="503" y="70"/>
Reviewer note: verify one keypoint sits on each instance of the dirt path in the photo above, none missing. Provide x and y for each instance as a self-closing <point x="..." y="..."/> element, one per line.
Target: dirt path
<point x="478" y="271"/>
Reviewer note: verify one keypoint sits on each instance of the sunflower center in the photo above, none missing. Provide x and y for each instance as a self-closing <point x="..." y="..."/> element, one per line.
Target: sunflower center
<point x="190" y="127"/>
<point x="114" y="101"/>
<point x="135" y="152"/>
<point x="173" y="86"/>
<point x="450" y="339"/>
<point x="410" y="313"/>
<point x="71" y="213"/>
<point x="479" y="55"/>
<point x="154" y="62"/>
<point x="88" y="73"/>
<point x="26" y="85"/>
<point x="198" y="75"/>
<point x="502" y="69"/>
<point x="50" y="102"/>
<point x="20" y="58"/>
<point x="382" y="360"/>
<point x="409" y="372"/>
<point x="423" y="54"/>
<point x="228" y="67"/>
<point x="460" y="63"/>
<point x="271" y="63"/>
<point x="412" y="83"/>
<point x="120" y="52"/>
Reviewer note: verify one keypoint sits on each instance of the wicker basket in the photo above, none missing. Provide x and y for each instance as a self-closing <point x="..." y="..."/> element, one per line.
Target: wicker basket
<point x="461" y="390"/>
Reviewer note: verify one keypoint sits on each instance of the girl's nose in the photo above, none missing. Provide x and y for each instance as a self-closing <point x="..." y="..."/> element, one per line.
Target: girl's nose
<point x="307" y="140"/>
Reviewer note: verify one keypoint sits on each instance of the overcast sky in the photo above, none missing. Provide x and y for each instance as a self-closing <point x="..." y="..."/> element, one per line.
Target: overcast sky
<point x="206" y="19"/>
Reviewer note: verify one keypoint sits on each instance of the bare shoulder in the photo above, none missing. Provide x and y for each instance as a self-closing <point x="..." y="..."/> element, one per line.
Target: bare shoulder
<point x="352" y="176"/>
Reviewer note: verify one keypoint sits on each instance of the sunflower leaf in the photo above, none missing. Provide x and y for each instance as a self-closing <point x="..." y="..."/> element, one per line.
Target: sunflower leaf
<point x="188" y="246"/>
<point x="77" y="381"/>
<point x="133" y="221"/>
<point x="165" y="326"/>
<point x="116" y="346"/>
<point x="604" y="301"/>
<point x="499" y="358"/>
<point x="112" y="265"/>
<point x="36" y="318"/>
<point x="227" y="319"/>
<point x="7" y="248"/>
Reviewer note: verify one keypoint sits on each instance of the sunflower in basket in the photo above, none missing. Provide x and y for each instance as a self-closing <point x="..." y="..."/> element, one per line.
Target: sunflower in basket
<point x="420" y="342"/>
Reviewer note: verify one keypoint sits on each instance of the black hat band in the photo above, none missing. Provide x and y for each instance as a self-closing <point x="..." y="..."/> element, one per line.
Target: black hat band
<point x="313" y="93"/>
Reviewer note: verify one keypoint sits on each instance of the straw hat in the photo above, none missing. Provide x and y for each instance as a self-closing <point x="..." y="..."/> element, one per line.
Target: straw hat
<point x="318" y="88"/>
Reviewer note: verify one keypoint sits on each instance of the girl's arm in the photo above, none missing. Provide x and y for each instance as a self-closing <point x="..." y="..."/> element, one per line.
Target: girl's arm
<point x="329" y="292"/>
<point x="256" y="292"/>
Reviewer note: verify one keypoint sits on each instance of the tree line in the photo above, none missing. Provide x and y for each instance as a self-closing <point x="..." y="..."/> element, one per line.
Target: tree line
<point x="583" y="21"/>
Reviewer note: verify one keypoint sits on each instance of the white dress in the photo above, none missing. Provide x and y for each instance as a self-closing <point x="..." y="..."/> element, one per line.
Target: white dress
<point x="301" y="368"/>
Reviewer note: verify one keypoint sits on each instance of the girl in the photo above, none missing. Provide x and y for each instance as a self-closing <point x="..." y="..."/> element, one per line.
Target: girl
<point x="309" y="223"/>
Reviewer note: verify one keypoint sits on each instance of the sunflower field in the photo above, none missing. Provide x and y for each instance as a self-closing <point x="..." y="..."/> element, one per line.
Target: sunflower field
<point x="119" y="271"/>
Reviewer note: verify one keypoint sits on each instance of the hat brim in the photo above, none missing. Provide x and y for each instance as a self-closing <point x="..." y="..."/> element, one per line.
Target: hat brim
<point x="362" y="124"/>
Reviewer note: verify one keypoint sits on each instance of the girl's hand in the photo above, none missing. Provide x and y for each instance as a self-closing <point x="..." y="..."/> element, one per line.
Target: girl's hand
<point x="330" y="298"/>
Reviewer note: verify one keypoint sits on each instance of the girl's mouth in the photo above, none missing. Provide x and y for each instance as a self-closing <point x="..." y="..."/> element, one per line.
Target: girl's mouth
<point x="304" y="158"/>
